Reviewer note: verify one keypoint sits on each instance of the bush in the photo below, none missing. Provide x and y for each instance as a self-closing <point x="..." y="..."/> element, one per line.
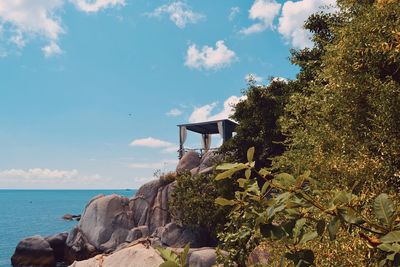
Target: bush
<point x="193" y="203"/>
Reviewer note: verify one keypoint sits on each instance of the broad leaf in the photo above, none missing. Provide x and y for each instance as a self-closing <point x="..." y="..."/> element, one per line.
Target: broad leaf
<point x="168" y="254"/>
<point x="250" y="154"/>
<point x="384" y="209"/>
<point x="248" y="173"/>
<point x="298" y="228"/>
<point x="230" y="172"/>
<point x="285" y="180"/>
<point x="308" y="237"/>
<point x="224" y="202"/>
<point x="333" y="227"/>
<point x="227" y="166"/>
<point x="391" y="237"/>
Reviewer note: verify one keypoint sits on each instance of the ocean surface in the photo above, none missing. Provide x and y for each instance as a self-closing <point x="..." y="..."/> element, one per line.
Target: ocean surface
<point x="25" y="213"/>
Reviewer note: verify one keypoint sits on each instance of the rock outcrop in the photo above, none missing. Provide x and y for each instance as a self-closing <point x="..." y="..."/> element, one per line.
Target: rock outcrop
<point x="134" y="256"/>
<point x="34" y="251"/>
<point x="111" y="222"/>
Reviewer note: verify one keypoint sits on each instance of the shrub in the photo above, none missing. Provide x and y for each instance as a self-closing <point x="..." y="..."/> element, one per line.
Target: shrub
<point x="193" y="203"/>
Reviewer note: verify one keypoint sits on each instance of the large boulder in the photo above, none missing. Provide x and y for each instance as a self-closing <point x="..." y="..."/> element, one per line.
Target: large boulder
<point x="204" y="257"/>
<point x="78" y="247"/>
<point x="33" y="251"/>
<point x="105" y="219"/>
<point x="142" y="202"/>
<point x="104" y="225"/>
<point x="137" y="232"/>
<point x="209" y="160"/>
<point x="57" y="243"/>
<point x="190" y="160"/>
<point x="173" y="235"/>
<point x="134" y="256"/>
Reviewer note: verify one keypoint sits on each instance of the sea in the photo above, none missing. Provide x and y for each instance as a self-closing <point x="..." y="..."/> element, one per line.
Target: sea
<point x="25" y="213"/>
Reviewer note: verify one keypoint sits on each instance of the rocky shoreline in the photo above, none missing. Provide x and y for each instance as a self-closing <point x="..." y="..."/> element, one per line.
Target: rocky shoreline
<point x="120" y="231"/>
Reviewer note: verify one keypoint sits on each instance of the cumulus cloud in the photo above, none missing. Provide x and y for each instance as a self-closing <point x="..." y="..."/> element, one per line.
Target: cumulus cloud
<point x="264" y="13"/>
<point x="154" y="165"/>
<point x="150" y="142"/>
<point x="179" y="13"/>
<point x="23" y="20"/>
<point x="174" y="112"/>
<point x="233" y="12"/>
<point x="210" y="58"/>
<point x="26" y="19"/>
<point x="205" y="113"/>
<point x="293" y="16"/>
<point x="96" y="5"/>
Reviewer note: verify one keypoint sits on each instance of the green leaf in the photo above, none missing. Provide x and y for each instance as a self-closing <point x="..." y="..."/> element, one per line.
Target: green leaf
<point x="285" y="179"/>
<point x="224" y="202"/>
<point x="298" y="228"/>
<point x="184" y="254"/>
<point x="388" y="247"/>
<point x="168" y="254"/>
<point x="230" y="172"/>
<point x="250" y="154"/>
<point x="350" y="216"/>
<point x="241" y="182"/>
<point x="333" y="227"/>
<point x="227" y="166"/>
<point x="248" y="173"/>
<point x="308" y="237"/>
<point x="391" y="237"/>
<point x="343" y="197"/>
<point x="265" y="187"/>
<point x="384" y="209"/>
<point x="169" y="264"/>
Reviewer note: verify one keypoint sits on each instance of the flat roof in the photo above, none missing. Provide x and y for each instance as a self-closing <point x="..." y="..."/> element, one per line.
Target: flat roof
<point x="209" y="127"/>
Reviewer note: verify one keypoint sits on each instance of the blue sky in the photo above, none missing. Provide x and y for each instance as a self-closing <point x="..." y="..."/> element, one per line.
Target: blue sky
<point x="91" y="91"/>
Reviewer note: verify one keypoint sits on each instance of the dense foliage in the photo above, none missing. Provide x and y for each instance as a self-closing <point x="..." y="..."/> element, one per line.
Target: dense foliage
<point x="192" y="203"/>
<point x="293" y="211"/>
<point x="337" y="122"/>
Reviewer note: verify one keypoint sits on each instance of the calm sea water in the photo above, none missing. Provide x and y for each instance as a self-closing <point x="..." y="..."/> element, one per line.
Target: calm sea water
<point x="25" y="213"/>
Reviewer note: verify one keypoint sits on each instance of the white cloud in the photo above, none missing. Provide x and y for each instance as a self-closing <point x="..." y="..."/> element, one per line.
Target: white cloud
<point x="154" y="165"/>
<point x="233" y="12"/>
<point x="150" y="142"/>
<point x="174" y="112"/>
<point x="293" y="16"/>
<point x="23" y="20"/>
<point x="28" y="19"/>
<point x="205" y="113"/>
<point x="96" y="5"/>
<point x="179" y="13"/>
<point x="264" y="12"/>
<point x="210" y="58"/>
<point x="51" y="50"/>
<point x="38" y="173"/>
<point x="202" y="113"/>
<point x="253" y="77"/>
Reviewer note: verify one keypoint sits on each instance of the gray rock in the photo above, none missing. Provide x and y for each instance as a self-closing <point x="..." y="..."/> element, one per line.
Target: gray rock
<point x="134" y="256"/>
<point x="206" y="257"/>
<point x="137" y="232"/>
<point x="209" y="159"/>
<point x="57" y="243"/>
<point x="189" y="161"/>
<point x="33" y="251"/>
<point x="78" y="247"/>
<point x="175" y="236"/>
<point x="117" y="237"/>
<point x="104" y="216"/>
<point x="159" y="214"/>
<point x="141" y="203"/>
